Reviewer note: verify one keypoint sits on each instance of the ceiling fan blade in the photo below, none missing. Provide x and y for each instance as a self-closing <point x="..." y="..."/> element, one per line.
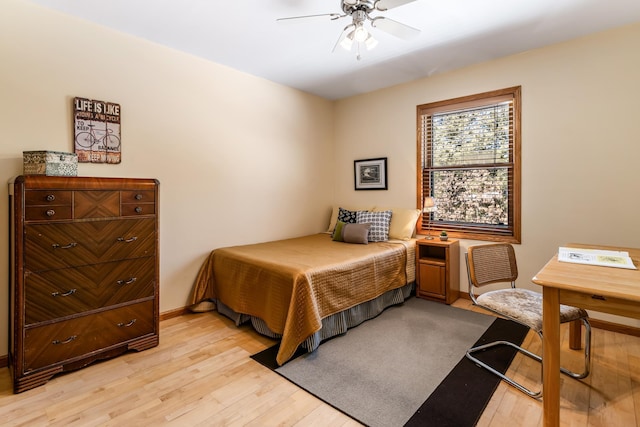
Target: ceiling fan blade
<point x="333" y="16"/>
<point x="394" y="28"/>
<point x="390" y="4"/>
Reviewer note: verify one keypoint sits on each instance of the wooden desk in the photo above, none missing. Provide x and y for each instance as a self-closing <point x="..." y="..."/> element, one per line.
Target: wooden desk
<point x="605" y="289"/>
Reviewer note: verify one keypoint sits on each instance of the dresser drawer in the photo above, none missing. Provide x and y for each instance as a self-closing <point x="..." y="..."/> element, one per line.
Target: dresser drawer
<point x="138" y="209"/>
<point x="58" y="293"/>
<point x="47" y="198"/>
<point x="138" y="196"/>
<point x="52" y="246"/>
<point x="63" y="341"/>
<point x="137" y="202"/>
<point x="47" y="205"/>
<point x="47" y="213"/>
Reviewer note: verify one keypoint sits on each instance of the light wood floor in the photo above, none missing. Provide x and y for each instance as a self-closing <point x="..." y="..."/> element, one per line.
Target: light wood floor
<point x="201" y="375"/>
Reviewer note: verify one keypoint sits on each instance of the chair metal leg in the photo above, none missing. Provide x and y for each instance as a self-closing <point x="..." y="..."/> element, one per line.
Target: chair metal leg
<point x="587" y="354"/>
<point x="534" y="394"/>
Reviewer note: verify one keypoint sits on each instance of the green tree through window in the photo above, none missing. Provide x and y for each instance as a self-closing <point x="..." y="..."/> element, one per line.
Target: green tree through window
<point x="469" y="161"/>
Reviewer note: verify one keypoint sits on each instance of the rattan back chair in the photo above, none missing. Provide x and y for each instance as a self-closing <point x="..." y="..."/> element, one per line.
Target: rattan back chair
<point x="496" y="263"/>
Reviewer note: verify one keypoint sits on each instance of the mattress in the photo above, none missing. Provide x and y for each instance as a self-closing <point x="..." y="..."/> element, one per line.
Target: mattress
<point x="292" y="285"/>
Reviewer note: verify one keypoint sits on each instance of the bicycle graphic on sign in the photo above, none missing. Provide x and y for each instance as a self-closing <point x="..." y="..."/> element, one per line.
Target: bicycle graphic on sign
<point x="93" y="140"/>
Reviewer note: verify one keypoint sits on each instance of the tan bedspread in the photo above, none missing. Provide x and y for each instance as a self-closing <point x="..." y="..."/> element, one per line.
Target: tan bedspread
<point x="293" y="284"/>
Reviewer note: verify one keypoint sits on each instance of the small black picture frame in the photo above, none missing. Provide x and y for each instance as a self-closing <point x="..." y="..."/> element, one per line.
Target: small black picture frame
<point x="370" y="174"/>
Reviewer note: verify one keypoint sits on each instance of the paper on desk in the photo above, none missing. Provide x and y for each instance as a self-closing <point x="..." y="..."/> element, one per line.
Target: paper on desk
<point x="619" y="259"/>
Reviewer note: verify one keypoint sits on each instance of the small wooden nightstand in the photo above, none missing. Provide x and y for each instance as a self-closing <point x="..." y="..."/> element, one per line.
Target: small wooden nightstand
<point x="438" y="269"/>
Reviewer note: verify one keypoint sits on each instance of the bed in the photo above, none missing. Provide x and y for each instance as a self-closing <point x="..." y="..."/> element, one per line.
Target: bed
<point x="304" y="290"/>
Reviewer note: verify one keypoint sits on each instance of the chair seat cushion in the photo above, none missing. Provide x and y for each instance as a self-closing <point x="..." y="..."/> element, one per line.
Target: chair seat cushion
<point x="525" y="306"/>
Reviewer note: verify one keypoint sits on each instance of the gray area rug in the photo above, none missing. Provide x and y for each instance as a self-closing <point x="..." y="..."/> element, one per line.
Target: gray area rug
<point x="381" y="372"/>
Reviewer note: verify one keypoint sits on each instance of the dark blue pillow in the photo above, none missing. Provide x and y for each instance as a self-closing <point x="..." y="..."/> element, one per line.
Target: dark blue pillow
<point x="348" y="217"/>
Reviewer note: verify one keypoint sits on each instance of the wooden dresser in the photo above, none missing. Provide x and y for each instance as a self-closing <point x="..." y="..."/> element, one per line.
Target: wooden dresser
<point x="84" y="272"/>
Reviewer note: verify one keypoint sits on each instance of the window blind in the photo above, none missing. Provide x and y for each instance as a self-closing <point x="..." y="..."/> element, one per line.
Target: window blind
<point x="469" y="163"/>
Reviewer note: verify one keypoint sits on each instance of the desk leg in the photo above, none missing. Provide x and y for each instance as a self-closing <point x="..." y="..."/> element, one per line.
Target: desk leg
<point x="575" y="335"/>
<point x="551" y="356"/>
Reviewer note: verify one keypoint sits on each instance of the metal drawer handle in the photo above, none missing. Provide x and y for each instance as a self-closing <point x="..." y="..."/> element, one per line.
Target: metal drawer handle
<point x="63" y="294"/>
<point x="132" y="239"/>
<point x="50" y="197"/>
<point x="126" y="325"/>
<point x="69" y="246"/>
<point x="50" y="212"/>
<point x="67" y="341"/>
<point x="138" y="196"/>
<point x="127" y="282"/>
<point x="138" y="209"/>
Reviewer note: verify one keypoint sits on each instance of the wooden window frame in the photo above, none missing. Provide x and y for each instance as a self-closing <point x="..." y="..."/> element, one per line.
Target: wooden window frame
<point x="512" y="233"/>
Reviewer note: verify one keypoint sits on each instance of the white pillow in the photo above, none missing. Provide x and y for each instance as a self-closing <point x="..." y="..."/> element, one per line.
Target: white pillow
<point x="403" y="222"/>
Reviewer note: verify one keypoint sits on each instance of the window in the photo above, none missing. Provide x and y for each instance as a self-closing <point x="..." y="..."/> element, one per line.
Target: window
<point x="469" y="162"/>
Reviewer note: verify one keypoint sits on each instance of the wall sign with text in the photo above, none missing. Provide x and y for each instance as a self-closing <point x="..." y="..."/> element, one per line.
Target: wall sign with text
<point x="96" y="131"/>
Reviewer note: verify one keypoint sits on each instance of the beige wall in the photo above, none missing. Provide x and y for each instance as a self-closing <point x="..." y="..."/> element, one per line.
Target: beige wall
<point x="580" y="146"/>
<point x="239" y="159"/>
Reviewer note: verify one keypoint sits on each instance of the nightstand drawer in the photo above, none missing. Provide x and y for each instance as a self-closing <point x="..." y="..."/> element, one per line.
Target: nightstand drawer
<point x="432" y="280"/>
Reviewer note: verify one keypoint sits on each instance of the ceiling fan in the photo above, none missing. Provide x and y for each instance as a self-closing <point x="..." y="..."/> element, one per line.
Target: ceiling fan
<point x="360" y="13"/>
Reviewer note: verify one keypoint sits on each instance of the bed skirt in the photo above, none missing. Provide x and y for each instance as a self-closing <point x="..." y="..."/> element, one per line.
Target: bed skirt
<point x="333" y="325"/>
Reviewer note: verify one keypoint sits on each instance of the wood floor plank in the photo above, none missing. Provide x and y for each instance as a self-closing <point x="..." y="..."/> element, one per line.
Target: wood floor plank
<point x="201" y="375"/>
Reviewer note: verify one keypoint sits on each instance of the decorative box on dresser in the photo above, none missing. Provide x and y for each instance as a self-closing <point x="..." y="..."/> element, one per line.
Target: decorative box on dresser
<point x="438" y="269"/>
<point x="84" y="272"/>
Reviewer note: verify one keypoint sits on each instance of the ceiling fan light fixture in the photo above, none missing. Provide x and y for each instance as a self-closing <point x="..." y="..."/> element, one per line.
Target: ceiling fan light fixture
<point x="347" y="42"/>
<point x="360" y="34"/>
<point x="371" y="42"/>
<point x="359" y="11"/>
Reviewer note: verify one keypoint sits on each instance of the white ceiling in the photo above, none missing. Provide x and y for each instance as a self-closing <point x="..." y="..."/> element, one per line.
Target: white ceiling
<point x="244" y="35"/>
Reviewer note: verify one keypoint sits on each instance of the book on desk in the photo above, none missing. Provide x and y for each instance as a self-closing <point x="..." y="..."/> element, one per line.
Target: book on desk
<point x="604" y="258"/>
